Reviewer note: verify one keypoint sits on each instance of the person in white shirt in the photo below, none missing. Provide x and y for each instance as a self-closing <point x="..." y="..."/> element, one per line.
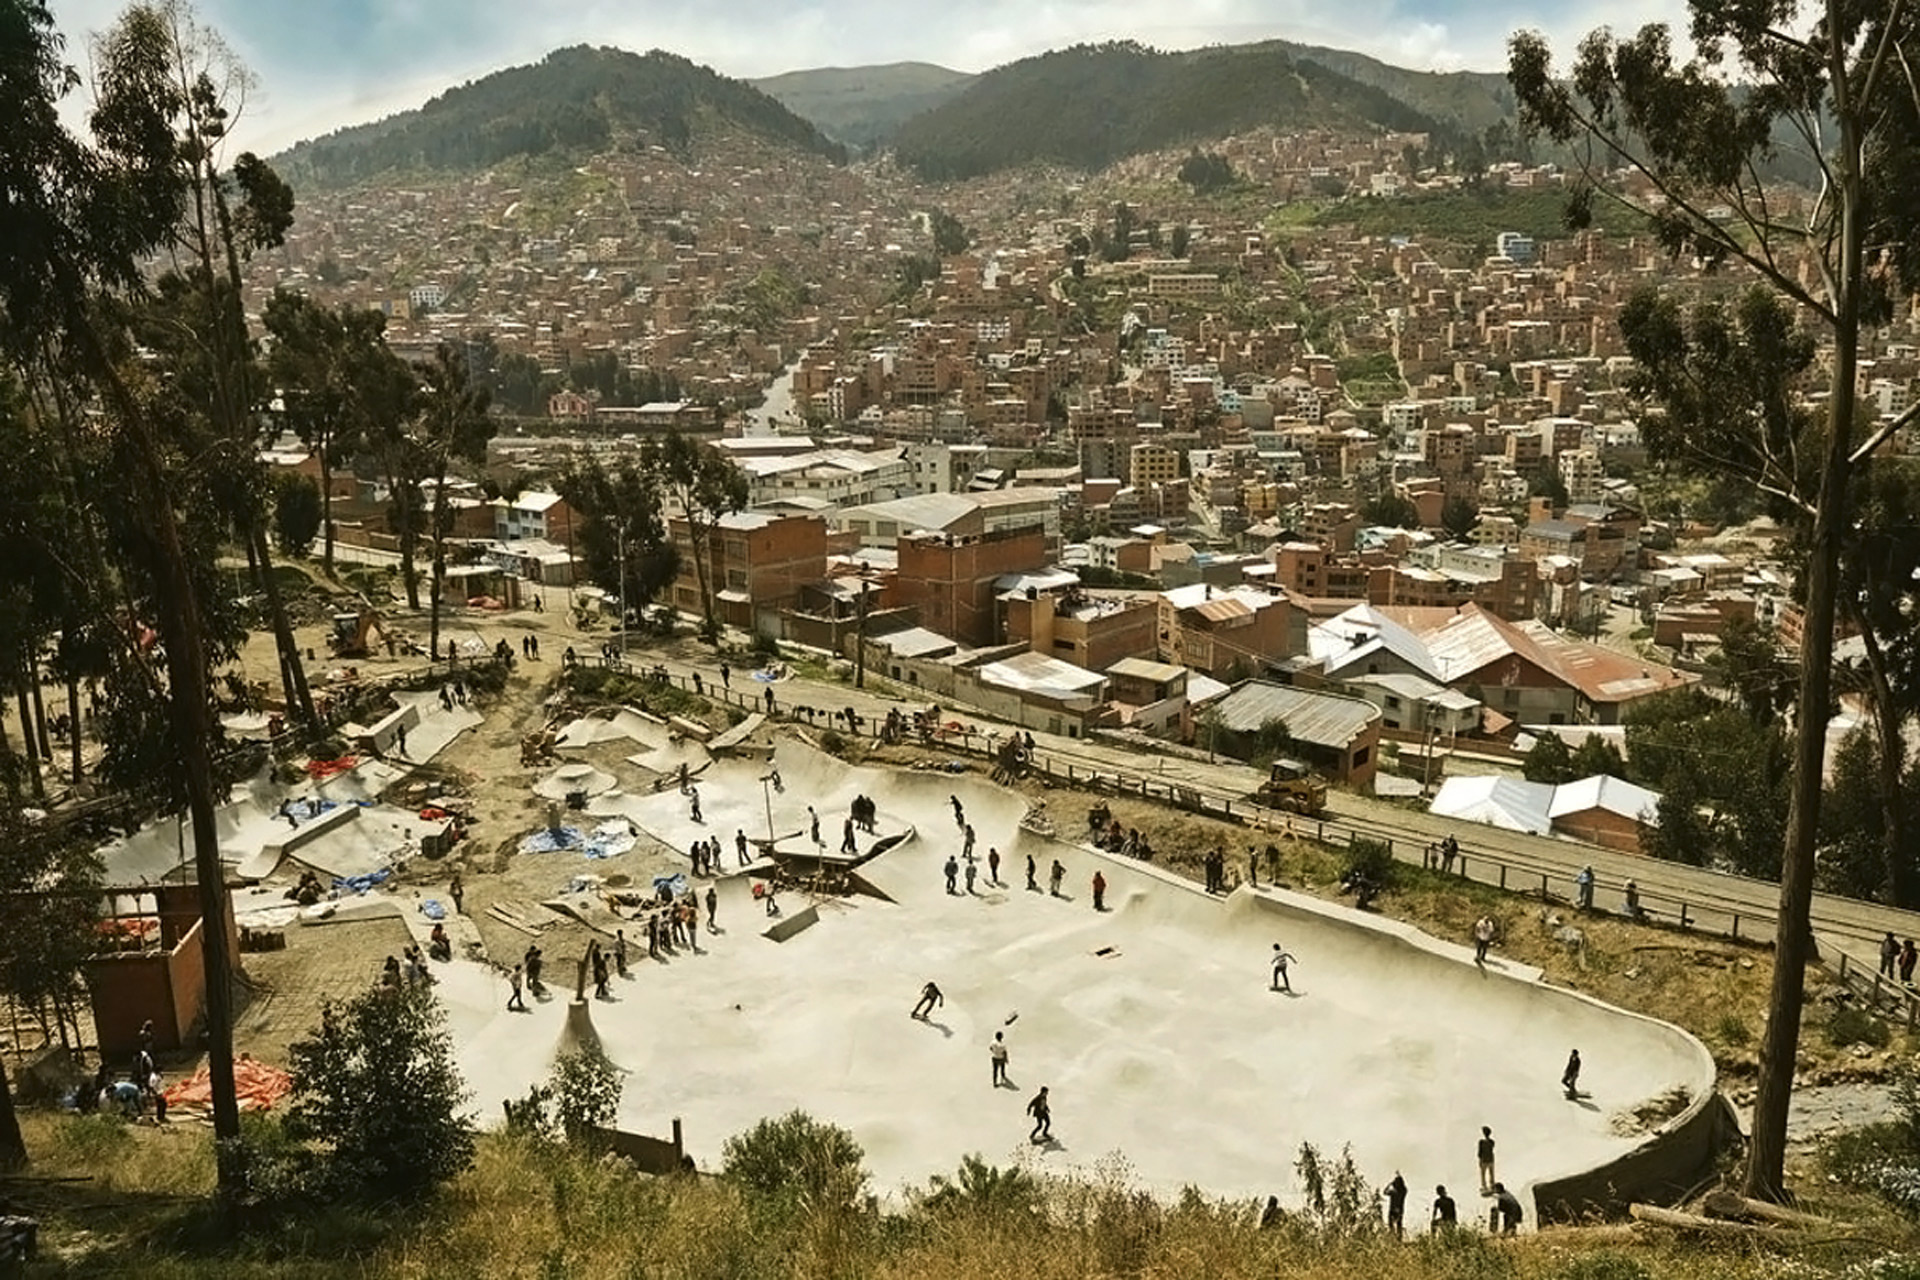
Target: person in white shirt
<point x="998" y="1052"/>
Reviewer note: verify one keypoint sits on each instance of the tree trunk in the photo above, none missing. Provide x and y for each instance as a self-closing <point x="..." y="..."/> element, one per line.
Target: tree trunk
<point x="1793" y="940"/>
<point x="39" y="709"/>
<point x="437" y="532"/>
<point x="74" y="735"/>
<point x="326" y="501"/>
<point x="9" y="762"/>
<point x="13" y="1148"/>
<point x="1892" y="762"/>
<point x="405" y="498"/>
<point x="293" y="672"/>
<point x="697" y="537"/>
<point x="27" y="733"/>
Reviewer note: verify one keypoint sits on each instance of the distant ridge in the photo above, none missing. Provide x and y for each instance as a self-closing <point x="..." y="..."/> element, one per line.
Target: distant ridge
<point x="575" y="99"/>
<point x="860" y="106"/>
<point x="1091" y="105"/>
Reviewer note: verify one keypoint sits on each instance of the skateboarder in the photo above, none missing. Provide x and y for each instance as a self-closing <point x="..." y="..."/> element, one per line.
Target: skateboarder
<point x="517" y="977"/>
<point x="1484" y="1153"/>
<point x="1032" y="883"/>
<point x="953" y="873"/>
<point x="693" y="802"/>
<point x="1396" y="1194"/>
<point x="1570" y="1078"/>
<point x="966" y="842"/>
<point x="929" y="997"/>
<point x="1099" y="892"/>
<point x="1054" y="877"/>
<point x="993" y="867"/>
<point x="740" y="845"/>
<point x="1445" y="1217"/>
<point x="959" y="812"/>
<point x="1482" y="938"/>
<point x="1281" y="959"/>
<point x="813" y="825"/>
<point x="1042" y="1112"/>
<point x="997" y="1051"/>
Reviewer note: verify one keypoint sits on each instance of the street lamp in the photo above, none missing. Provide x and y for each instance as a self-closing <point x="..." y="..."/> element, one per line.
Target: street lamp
<point x="621" y="543"/>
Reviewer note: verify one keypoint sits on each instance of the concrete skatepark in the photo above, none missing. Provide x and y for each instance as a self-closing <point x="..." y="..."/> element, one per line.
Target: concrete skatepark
<point x="1151" y="1022"/>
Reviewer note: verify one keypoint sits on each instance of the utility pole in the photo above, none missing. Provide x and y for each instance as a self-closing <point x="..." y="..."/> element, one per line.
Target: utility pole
<point x="860" y="634"/>
<point x="621" y="545"/>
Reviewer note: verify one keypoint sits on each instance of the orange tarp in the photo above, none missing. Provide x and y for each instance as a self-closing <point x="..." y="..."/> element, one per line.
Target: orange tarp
<point x="259" y="1086"/>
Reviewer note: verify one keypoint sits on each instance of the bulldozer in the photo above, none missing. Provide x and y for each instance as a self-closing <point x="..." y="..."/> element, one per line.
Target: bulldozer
<point x="352" y="631"/>
<point x="1294" y="788"/>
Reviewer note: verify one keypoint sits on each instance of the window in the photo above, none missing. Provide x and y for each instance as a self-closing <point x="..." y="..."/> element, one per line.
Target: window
<point x="1393" y="702"/>
<point x="1360" y="756"/>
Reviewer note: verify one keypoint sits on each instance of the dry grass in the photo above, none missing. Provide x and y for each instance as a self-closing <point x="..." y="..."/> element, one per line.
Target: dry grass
<point x="528" y="1209"/>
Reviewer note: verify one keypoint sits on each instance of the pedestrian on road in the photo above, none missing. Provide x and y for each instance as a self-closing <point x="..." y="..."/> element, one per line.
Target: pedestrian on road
<point x="1584" y="883"/>
<point x="972" y="870"/>
<point x="1570" y="1078"/>
<point x="1396" y="1194"/>
<point x="1482" y="938"/>
<point x="1484" y="1154"/>
<point x="1449" y="849"/>
<point x="514" y="1001"/>
<point x="726" y="676"/>
<point x="1042" y="1112"/>
<point x="1099" y="891"/>
<point x="1033" y="884"/>
<point x="953" y="873"/>
<point x="713" y="903"/>
<point x="993" y="867"/>
<point x="1281" y="959"/>
<point x="930" y="996"/>
<point x="1445" y="1217"/>
<point x="1055" y="876"/>
<point x="1889" y="946"/>
<point x="997" y="1051"/>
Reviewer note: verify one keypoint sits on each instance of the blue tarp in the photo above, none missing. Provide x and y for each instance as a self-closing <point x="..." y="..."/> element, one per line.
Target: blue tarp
<point x="676" y="882"/>
<point x="553" y="840"/>
<point x="360" y="884"/>
<point x="432" y="910"/>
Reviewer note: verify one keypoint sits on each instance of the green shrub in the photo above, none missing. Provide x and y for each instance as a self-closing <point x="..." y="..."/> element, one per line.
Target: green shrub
<point x="1733" y="1030"/>
<point x="1371" y="858"/>
<point x="795" y="1164"/>
<point x="1603" y="1266"/>
<point x="377" y="1098"/>
<point x="586" y="1092"/>
<point x="982" y="1188"/>
<point x="1849" y="1024"/>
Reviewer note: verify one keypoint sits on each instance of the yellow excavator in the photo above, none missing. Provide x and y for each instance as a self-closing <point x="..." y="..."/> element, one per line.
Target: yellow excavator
<point x="1293" y="787"/>
<point x="352" y="631"/>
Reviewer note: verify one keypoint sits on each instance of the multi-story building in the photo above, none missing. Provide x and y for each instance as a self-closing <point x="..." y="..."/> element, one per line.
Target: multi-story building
<point x="952" y="580"/>
<point x="756" y="564"/>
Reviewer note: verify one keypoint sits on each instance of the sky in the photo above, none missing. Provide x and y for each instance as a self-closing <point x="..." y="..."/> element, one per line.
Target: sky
<point x="322" y="64"/>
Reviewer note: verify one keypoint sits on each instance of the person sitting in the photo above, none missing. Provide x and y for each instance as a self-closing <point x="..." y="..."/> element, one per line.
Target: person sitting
<point x="309" y="890"/>
<point x="439" y="945"/>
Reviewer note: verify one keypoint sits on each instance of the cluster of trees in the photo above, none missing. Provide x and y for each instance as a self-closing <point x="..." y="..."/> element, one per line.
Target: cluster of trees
<point x="575" y="99"/>
<point x="1091" y="105"/>
<point x="1207" y="171"/>
<point x="624" y="509"/>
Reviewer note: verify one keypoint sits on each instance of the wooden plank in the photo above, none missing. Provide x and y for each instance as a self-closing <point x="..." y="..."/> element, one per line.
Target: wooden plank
<point x="510" y="922"/>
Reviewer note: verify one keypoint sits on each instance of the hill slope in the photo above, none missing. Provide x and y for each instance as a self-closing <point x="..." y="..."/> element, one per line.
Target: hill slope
<point x="1093" y="104"/>
<point x="577" y="98"/>
<point x="1473" y="100"/>
<point x="862" y="105"/>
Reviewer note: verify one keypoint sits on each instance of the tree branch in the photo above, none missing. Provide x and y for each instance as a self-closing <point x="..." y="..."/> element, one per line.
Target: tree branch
<point x="1884" y="432"/>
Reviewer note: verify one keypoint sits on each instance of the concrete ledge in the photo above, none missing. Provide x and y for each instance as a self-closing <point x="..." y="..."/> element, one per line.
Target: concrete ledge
<point x="786" y="926"/>
<point x="263" y="863"/>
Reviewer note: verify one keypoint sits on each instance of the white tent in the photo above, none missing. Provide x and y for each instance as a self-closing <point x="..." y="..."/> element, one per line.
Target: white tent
<point x="1511" y="804"/>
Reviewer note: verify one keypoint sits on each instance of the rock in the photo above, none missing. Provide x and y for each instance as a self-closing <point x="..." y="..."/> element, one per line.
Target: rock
<point x="1571" y="937"/>
<point x="1631" y="973"/>
<point x="1746" y="964"/>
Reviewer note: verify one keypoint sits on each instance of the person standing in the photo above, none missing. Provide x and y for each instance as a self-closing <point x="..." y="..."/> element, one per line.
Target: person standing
<point x="930" y="996"/>
<point x="740" y="845"/>
<point x="1908" y="956"/>
<point x="1033" y="884"/>
<point x="1482" y="938"/>
<point x="713" y="901"/>
<point x="1099" y="891"/>
<point x="1889" y="947"/>
<point x="457" y="892"/>
<point x="620" y="951"/>
<point x="1041" y="1109"/>
<point x="813" y="826"/>
<point x="1584" y="884"/>
<point x="726" y="676"/>
<point x="846" y="838"/>
<point x="972" y="871"/>
<point x="534" y="960"/>
<point x="966" y="842"/>
<point x="993" y="867"/>
<point x="1253" y="868"/>
<point x="997" y="1051"/>
<point x="1484" y="1154"/>
<point x="959" y="812"/>
<point x="1281" y="960"/>
<point x="953" y="874"/>
<point x="516" y="978"/>
<point x="599" y="959"/>
<point x="1570" y="1078"/>
<point x="1054" y="877"/>
<point x="1396" y="1194"/>
<point x="1445" y="1216"/>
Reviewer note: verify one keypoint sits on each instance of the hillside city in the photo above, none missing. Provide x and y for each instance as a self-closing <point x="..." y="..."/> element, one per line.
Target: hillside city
<point x="1235" y="466"/>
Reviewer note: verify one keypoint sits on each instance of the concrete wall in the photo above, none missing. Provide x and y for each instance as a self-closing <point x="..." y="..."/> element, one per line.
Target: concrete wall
<point x="649" y="1155"/>
<point x="1669" y="1164"/>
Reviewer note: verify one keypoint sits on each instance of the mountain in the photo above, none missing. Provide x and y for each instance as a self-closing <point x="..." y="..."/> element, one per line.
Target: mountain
<point x="575" y="99"/>
<point x="1090" y="105"/>
<point x="862" y="105"/>
<point x="1474" y="100"/>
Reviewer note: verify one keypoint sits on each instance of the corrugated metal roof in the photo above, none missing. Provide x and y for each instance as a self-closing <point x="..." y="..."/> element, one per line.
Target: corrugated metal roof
<point x="1223" y="608"/>
<point x="1316" y="718"/>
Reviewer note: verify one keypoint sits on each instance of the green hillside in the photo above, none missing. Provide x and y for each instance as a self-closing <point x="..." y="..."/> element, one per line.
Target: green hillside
<point x="1091" y="105"/>
<point x="862" y="105"/>
<point x="576" y="99"/>
<point x="1472" y="100"/>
